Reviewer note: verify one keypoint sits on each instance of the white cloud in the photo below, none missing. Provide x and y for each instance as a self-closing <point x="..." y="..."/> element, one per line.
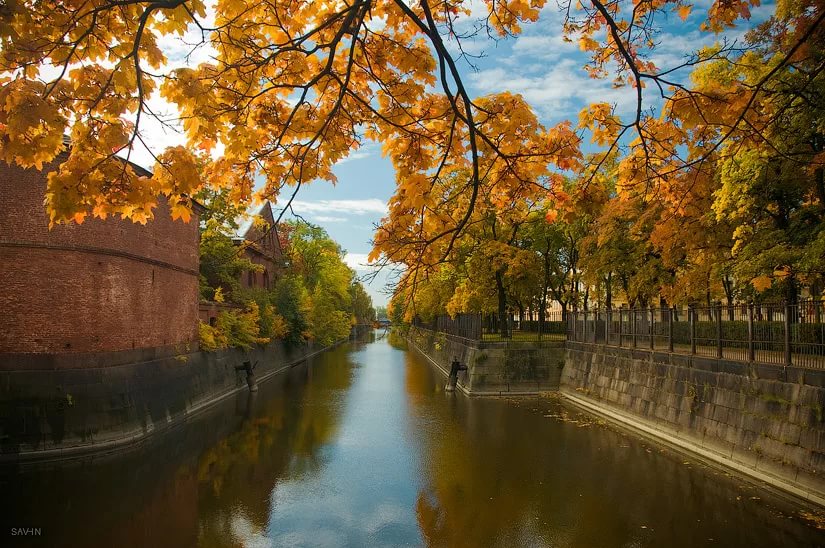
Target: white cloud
<point x="557" y="93"/>
<point x="194" y="46"/>
<point x="249" y="534"/>
<point x="358" y="262"/>
<point x="329" y="219"/>
<point x="359" y="155"/>
<point x="342" y="207"/>
<point x="543" y="45"/>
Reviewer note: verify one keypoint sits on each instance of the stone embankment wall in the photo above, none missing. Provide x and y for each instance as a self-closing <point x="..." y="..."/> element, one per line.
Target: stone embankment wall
<point x="61" y="413"/>
<point x="766" y="421"/>
<point x="494" y="368"/>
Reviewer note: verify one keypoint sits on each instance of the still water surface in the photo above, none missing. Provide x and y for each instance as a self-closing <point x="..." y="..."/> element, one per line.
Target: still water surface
<point x="362" y="447"/>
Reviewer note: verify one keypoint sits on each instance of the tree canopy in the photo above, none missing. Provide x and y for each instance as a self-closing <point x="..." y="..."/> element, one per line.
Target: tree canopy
<point x="293" y="86"/>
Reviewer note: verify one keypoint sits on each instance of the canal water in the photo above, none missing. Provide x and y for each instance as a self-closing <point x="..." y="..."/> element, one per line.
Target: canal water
<point x="362" y="447"/>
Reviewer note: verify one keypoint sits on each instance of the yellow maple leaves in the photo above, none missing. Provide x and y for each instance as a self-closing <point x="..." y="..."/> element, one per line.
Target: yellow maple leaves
<point x="604" y="126"/>
<point x="30" y="125"/>
<point x="507" y="15"/>
<point x="291" y="88"/>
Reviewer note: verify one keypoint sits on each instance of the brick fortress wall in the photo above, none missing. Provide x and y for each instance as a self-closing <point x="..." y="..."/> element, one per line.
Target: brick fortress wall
<point x="102" y="286"/>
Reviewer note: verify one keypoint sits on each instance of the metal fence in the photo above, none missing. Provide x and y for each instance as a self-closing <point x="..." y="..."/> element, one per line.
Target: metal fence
<point x="530" y="327"/>
<point x="467" y="326"/>
<point x="489" y="327"/>
<point x="772" y="333"/>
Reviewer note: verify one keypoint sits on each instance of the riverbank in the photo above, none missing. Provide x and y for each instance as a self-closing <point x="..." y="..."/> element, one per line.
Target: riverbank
<point x="762" y="421"/>
<point x="54" y="414"/>
<point x="362" y="447"/>
<point x="493" y="368"/>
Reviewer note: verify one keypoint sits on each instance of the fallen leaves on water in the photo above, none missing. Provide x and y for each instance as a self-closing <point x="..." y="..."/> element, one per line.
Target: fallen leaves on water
<point x="578" y="420"/>
<point x="816" y="518"/>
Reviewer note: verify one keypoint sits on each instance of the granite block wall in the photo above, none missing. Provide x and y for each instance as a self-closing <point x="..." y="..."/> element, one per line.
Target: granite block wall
<point x="766" y="418"/>
<point x="494" y="368"/>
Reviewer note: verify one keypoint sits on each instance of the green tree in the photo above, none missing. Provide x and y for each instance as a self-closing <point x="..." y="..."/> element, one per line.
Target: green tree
<point x="221" y="263"/>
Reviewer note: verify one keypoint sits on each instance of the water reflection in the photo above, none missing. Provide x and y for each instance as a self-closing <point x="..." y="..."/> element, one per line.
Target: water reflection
<point x="207" y="484"/>
<point x="507" y="473"/>
<point x="362" y="447"/>
<point x="280" y="435"/>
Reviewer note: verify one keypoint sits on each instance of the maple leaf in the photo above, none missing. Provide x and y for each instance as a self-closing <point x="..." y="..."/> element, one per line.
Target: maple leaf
<point x="761" y="283"/>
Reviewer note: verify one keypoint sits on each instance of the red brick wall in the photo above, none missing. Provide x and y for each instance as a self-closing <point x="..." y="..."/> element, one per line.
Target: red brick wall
<point x="270" y="267"/>
<point x="262" y="248"/>
<point x="104" y="285"/>
<point x="208" y="311"/>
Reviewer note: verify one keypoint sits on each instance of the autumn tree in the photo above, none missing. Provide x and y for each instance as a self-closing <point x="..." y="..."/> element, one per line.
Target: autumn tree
<point x="748" y="134"/>
<point x="556" y="239"/>
<point x="468" y="273"/>
<point x="291" y="87"/>
<point x="719" y="196"/>
<point x="333" y="299"/>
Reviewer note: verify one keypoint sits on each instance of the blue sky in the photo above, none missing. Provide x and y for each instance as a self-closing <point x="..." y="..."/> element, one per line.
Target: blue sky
<point x="546" y="70"/>
<point x="538" y="64"/>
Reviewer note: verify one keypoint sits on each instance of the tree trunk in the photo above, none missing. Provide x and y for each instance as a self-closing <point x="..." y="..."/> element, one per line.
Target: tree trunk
<point x="727" y="285"/>
<point x="545" y="287"/>
<point x="502" y="306"/>
<point x="792" y="296"/>
<point x="608" y="291"/>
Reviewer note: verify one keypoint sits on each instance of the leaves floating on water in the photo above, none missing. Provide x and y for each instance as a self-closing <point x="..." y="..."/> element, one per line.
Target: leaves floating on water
<point x="816" y="517"/>
<point x="579" y="420"/>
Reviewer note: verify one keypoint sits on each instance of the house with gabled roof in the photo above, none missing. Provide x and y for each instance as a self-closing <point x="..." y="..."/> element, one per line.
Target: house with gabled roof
<point x="258" y="238"/>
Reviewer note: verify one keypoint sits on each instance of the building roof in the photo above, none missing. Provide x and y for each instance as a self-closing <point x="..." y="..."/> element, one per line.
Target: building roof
<point x="261" y="240"/>
<point x="246" y="224"/>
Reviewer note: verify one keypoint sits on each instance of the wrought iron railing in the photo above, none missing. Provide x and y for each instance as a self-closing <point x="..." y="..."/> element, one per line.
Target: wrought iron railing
<point x="773" y="333"/>
<point x="770" y="333"/>
<point x="467" y="326"/>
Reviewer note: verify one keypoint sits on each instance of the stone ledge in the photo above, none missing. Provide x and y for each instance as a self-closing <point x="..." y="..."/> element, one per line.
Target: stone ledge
<point x="755" y="370"/>
<point x="148" y="405"/>
<point x="494" y="369"/>
<point x="710" y="450"/>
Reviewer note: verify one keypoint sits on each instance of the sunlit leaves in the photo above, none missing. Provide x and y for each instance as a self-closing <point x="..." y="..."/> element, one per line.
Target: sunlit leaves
<point x="31" y="126"/>
<point x="292" y="87"/>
